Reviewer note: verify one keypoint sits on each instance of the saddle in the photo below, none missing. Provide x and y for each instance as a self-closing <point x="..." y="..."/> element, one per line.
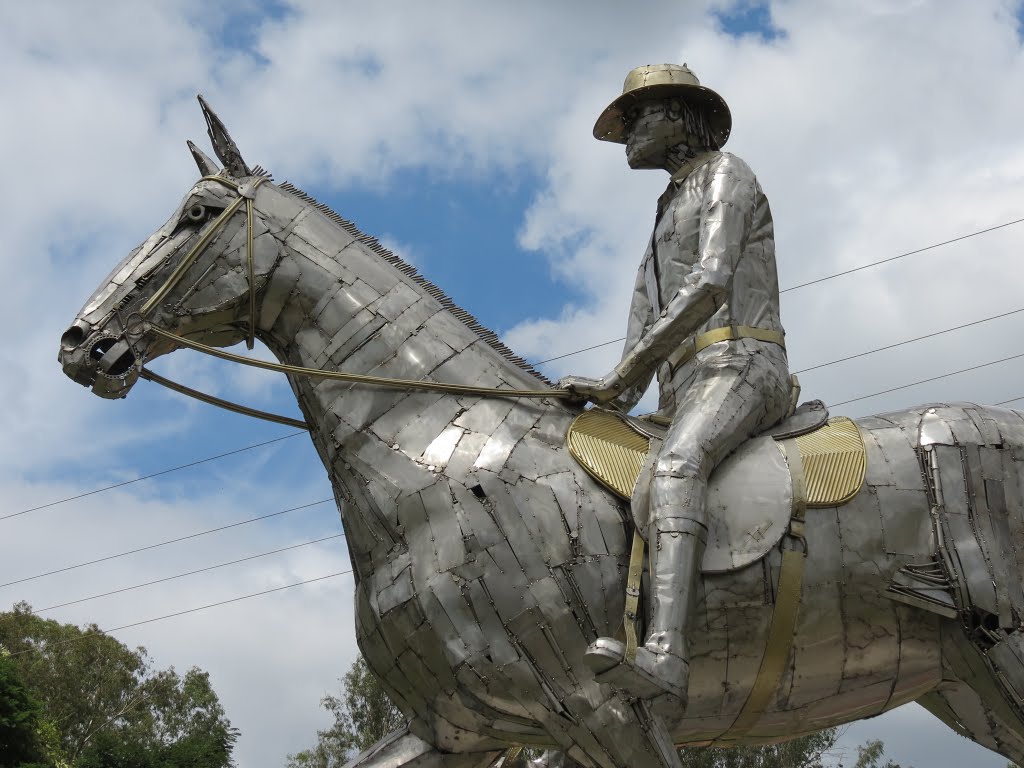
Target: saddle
<point x="807" y="460"/>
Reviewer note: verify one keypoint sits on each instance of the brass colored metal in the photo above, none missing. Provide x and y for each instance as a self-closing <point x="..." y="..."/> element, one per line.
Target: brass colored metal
<point x="355" y="378"/>
<point x="778" y="646"/>
<point x="831" y="467"/>
<point x="834" y="461"/>
<point x="200" y="246"/>
<point x="487" y="561"/>
<point x="728" y="333"/>
<point x="227" y="405"/>
<point x="636" y="569"/>
<point x="663" y="81"/>
<point x="608" y="449"/>
<point x="198" y="249"/>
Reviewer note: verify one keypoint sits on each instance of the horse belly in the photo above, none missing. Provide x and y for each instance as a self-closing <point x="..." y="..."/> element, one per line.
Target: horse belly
<point x="856" y="653"/>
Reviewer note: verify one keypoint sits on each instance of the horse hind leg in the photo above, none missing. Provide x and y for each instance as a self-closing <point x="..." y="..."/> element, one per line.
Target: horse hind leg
<point x="985" y="700"/>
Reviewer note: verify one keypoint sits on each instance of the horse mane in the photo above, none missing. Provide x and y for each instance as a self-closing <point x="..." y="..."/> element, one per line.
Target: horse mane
<point x="484" y="333"/>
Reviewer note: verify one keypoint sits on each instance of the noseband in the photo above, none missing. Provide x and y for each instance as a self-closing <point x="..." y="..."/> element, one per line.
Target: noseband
<point x="246" y="194"/>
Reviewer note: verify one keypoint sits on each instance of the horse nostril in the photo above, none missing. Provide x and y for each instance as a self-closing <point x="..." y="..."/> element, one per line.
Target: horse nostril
<point x="101" y="347"/>
<point x="72" y="337"/>
<point x="122" y="364"/>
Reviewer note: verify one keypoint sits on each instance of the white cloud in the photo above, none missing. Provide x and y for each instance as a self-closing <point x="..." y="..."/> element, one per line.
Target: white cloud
<point x="874" y="128"/>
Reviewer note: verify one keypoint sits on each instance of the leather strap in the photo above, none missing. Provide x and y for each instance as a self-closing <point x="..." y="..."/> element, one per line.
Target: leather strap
<point x="786" y="613"/>
<point x="695" y="344"/>
<point x="629" y="620"/>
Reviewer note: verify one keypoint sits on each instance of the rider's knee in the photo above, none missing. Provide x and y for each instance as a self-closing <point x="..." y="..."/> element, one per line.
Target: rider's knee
<point x="683" y="464"/>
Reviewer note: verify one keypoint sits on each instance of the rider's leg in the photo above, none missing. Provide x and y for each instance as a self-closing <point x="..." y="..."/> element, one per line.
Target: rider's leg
<point x="723" y="404"/>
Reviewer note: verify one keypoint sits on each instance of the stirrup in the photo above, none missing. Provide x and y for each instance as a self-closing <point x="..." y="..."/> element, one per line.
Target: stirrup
<point x="648" y="676"/>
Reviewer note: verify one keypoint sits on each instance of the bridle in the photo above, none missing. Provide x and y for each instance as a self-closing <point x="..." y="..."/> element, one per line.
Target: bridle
<point x="246" y="194"/>
<point x="138" y="323"/>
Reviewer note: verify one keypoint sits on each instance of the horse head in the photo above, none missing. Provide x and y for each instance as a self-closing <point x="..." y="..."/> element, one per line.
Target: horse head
<point x="195" y="276"/>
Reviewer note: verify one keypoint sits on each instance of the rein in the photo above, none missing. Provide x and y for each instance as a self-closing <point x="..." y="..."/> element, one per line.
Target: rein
<point x="246" y="194"/>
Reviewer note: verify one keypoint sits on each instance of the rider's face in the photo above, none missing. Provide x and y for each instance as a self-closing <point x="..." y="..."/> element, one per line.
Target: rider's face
<point x="652" y="133"/>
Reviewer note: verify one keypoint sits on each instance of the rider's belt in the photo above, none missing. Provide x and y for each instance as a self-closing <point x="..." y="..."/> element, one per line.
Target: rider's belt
<point x="695" y="344"/>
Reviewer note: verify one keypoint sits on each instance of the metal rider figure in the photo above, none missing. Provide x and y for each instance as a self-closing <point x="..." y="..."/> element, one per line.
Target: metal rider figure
<point x="705" y="318"/>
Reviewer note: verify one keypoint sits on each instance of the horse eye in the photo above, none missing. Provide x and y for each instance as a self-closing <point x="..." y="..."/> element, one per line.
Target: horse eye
<point x="196" y="213"/>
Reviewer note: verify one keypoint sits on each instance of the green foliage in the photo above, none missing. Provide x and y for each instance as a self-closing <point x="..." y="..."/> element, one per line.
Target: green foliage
<point x="871" y="754"/>
<point x="104" y="706"/>
<point x="363" y="715"/>
<point x="20" y="717"/>
<point x="802" y="752"/>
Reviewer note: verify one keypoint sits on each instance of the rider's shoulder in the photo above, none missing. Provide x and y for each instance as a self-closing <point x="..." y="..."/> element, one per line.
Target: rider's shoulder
<point x="727" y="162"/>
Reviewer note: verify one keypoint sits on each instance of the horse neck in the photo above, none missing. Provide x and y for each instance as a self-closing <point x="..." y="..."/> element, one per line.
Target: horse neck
<point x="333" y="303"/>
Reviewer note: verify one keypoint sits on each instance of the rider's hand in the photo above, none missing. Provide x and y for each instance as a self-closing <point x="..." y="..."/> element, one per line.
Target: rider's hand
<point x="598" y="391"/>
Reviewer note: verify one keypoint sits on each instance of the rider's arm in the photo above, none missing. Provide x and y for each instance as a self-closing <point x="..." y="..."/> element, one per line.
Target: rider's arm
<point x="725" y="223"/>
<point x="641" y="315"/>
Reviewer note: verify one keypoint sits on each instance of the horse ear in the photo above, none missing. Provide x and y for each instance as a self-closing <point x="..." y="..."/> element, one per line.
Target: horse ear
<point x="223" y="145"/>
<point x="206" y="166"/>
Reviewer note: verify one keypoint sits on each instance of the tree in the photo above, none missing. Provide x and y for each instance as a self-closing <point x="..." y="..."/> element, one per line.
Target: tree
<point x="20" y="717"/>
<point x="871" y="754"/>
<point x="802" y="752"/>
<point x="363" y="715"/>
<point x="103" y="704"/>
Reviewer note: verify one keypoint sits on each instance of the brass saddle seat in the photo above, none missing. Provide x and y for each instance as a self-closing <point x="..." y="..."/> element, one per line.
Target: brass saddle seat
<point x="614" y="449"/>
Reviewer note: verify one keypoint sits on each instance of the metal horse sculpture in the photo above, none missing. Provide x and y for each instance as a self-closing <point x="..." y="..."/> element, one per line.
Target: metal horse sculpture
<point x="486" y="560"/>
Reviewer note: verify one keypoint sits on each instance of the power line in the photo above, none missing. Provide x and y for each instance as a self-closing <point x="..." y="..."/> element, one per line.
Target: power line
<point x="910" y="341"/>
<point x="576" y="352"/>
<point x="164" y="543"/>
<point x="1011" y="400"/>
<point x="187" y="573"/>
<point x="187" y="611"/>
<point x="925" y="381"/>
<point x="826" y="277"/>
<point x="152" y="475"/>
<point x="900" y="256"/>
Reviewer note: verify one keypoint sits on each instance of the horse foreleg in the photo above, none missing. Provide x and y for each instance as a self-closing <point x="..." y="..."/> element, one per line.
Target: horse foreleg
<point x="403" y="749"/>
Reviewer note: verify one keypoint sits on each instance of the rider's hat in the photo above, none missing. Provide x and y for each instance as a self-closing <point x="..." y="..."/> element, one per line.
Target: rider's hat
<point x="662" y="81"/>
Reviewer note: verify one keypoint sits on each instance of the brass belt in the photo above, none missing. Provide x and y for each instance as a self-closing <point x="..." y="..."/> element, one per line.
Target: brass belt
<point x="695" y="344"/>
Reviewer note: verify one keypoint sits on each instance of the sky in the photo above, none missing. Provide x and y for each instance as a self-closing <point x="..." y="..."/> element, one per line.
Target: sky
<point x="460" y="134"/>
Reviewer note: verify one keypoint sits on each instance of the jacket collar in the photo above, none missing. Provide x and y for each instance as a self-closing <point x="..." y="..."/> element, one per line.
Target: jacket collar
<point x="688" y="167"/>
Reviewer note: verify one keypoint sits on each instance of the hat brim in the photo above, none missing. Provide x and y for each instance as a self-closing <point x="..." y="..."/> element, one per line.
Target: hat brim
<point x="611" y="124"/>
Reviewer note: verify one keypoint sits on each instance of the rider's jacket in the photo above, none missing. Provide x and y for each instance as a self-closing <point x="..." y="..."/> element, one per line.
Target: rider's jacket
<point x="712" y="252"/>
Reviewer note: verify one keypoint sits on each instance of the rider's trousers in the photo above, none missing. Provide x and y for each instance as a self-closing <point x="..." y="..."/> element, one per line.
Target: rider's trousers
<point x="723" y="400"/>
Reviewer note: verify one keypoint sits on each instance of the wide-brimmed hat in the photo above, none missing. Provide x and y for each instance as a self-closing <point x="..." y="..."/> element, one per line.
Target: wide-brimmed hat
<point x="661" y="81"/>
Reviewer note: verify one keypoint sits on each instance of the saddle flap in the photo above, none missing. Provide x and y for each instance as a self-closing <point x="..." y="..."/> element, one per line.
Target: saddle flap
<point x="750" y="495"/>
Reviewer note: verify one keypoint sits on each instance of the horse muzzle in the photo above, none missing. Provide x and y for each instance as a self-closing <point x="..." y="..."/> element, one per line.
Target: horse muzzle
<point x="96" y="359"/>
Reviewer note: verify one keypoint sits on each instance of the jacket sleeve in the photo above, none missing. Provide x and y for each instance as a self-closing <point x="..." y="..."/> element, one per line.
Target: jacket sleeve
<point x="725" y="220"/>
<point x="641" y="315"/>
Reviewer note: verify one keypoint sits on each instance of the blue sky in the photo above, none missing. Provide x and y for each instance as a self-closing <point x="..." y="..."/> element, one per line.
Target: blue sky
<point x="466" y="145"/>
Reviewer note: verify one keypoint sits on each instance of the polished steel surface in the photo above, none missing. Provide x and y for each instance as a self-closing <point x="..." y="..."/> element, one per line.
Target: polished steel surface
<point x="487" y="561"/>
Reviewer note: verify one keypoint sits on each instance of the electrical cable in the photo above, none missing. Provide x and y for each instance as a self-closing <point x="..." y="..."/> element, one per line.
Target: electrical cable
<point x="187" y="573"/>
<point x="164" y="543"/>
<point x="576" y="352"/>
<point x="186" y="611"/>
<point x="153" y="474"/>
<point x="925" y="381"/>
<point x="826" y="277"/>
<point x="910" y="341"/>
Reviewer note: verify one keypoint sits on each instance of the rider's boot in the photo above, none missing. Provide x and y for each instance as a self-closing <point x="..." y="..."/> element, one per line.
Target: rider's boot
<point x="661" y="665"/>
